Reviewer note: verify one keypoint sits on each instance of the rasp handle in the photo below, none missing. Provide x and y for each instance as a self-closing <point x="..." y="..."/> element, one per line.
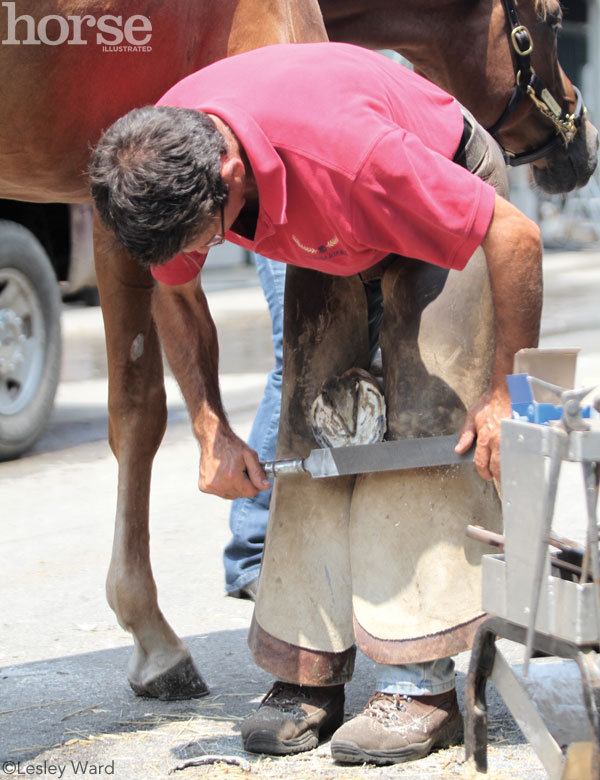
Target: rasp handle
<point x="281" y="468"/>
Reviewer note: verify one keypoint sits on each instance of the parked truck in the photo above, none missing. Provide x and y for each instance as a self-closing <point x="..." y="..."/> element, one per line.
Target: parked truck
<point x="45" y="256"/>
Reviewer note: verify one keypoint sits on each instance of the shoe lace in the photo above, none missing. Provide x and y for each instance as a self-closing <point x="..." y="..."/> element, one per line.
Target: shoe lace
<point x="285" y="696"/>
<point x="386" y="706"/>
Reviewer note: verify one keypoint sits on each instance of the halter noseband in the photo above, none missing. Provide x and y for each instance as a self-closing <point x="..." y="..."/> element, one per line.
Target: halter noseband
<point x="528" y="83"/>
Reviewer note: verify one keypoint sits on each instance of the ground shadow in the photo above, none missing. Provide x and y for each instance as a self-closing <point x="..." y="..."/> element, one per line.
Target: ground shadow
<point x="47" y="703"/>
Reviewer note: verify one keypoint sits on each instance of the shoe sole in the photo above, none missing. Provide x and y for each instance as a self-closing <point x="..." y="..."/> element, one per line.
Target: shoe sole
<point x="269" y="743"/>
<point x="350" y="753"/>
<point x="263" y="741"/>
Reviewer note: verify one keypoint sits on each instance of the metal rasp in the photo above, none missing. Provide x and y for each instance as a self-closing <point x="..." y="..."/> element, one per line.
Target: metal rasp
<point x="365" y="458"/>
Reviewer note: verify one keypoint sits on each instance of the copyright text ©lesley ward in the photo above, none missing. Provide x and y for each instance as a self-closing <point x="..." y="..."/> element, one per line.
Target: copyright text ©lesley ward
<point x="55" y="769"/>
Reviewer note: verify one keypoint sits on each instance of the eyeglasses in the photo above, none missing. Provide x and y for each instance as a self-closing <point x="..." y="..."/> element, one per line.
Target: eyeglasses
<point x="218" y="238"/>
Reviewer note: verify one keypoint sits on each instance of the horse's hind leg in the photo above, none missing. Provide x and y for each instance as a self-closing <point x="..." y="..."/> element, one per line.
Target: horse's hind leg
<point x="161" y="665"/>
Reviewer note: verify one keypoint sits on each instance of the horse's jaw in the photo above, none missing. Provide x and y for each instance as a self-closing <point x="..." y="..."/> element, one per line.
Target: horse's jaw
<point x="564" y="170"/>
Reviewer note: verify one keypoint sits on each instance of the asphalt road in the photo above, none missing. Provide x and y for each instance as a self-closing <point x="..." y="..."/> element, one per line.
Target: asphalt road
<point x="64" y="695"/>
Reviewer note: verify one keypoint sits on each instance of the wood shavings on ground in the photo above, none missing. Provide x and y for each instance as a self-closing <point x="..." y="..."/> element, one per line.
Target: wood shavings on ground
<point x="90" y="708"/>
<point x="31" y="748"/>
<point x="204" y="760"/>
<point x="36" y="706"/>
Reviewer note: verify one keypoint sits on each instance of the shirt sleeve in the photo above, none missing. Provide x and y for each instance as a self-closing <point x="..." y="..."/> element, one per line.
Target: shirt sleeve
<point x="181" y="269"/>
<point x="413" y="201"/>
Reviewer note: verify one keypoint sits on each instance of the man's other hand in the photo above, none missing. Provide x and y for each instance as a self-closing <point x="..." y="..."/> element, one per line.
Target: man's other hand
<point x="230" y="469"/>
<point x="483" y="423"/>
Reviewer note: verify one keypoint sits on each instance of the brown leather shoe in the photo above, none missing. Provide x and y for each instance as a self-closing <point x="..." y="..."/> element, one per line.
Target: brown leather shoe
<point x="394" y="728"/>
<point x="293" y="718"/>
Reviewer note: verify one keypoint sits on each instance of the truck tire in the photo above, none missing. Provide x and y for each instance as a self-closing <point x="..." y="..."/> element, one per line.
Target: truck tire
<point x="30" y="339"/>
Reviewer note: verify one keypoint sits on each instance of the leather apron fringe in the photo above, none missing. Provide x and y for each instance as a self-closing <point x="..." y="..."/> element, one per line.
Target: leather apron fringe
<point x="298" y="664"/>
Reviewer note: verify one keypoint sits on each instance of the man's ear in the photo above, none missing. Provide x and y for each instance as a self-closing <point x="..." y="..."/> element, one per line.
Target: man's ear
<point x="233" y="171"/>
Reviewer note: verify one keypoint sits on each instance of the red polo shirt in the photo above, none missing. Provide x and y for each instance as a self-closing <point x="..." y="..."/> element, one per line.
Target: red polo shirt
<point x="352" y="155"/>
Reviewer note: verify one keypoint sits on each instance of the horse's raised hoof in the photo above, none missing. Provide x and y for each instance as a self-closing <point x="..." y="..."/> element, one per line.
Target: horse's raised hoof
<point x="350" y="409"/>
<point x="183" y="681"/>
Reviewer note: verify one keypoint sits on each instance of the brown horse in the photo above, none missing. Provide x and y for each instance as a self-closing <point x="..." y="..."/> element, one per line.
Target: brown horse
<point x="72" y="67"/>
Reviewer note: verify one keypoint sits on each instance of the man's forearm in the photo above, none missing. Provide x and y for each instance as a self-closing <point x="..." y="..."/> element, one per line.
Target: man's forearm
<point x="189" y="339"/>
<point x="514" y="256"/>
<point x="513" y="251"/>
<point x="228" y="467"/>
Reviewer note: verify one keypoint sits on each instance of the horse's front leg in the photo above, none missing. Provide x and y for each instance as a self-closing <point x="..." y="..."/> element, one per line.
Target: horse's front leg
<point x="161" y="665"/>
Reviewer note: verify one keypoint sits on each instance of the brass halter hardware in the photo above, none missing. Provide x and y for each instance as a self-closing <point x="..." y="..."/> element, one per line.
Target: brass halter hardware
<point x="565" y="124"/>
<point x="514" y="33"/>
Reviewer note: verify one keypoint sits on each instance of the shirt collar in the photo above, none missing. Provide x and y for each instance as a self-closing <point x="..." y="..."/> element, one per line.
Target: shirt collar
<point x="267" y="166"/>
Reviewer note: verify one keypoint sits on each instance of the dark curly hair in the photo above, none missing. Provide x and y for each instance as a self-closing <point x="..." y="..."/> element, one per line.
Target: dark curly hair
<point x="155" y="177"/>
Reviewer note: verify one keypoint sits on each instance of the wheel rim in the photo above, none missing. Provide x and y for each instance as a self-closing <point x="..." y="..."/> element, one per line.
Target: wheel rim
<point x="22" y="341"/>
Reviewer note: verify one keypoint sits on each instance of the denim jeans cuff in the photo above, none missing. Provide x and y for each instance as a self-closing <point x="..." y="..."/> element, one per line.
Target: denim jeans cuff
<point x="248" y="576"/>
<point x="424" y="679"/>
<point x="426" y="688"/>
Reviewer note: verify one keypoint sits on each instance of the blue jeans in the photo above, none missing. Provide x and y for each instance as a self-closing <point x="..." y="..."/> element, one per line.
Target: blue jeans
<point x="425" y="679"/>
<point x="248" y="517"/>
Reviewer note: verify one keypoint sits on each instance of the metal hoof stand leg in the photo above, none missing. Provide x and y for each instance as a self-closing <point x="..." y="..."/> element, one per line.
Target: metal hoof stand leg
<point x="488" y="663"/>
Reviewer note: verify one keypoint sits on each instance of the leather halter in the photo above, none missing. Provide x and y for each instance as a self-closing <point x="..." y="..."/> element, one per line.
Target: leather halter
<point x="529" y="84"/>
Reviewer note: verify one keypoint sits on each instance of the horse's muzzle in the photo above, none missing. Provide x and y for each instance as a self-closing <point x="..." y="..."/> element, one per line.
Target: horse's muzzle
<point x="571" y="167"/>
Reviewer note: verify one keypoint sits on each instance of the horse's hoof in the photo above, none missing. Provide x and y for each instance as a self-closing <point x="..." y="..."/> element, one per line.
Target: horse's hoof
<point x="183" y="681"/>
<point x="350" y="409"/>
